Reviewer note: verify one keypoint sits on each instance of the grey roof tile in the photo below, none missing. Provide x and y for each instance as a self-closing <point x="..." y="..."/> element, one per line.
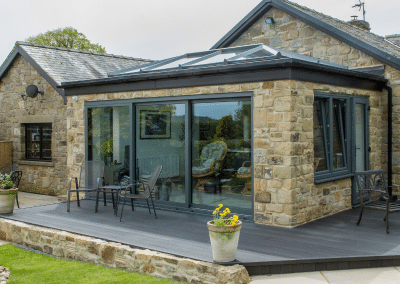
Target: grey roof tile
<point x="66" y="65"/>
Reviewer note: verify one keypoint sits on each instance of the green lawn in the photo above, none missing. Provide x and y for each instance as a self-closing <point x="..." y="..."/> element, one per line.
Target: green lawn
<point x="29" y="267"/>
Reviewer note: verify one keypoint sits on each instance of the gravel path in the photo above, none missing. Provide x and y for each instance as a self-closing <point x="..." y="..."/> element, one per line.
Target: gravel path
<point x="4" y="274"/>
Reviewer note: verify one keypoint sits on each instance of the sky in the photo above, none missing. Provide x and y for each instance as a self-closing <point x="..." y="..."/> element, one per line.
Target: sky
<point x="158" y="29"/>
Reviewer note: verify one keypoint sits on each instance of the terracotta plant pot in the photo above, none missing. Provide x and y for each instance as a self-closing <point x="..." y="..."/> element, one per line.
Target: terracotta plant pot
<point x="7" y="200"/>
<point x="224" y="241"/>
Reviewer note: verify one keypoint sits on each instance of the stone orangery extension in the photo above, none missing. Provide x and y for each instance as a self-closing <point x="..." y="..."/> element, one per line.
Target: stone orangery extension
<point x="300" y="103"/>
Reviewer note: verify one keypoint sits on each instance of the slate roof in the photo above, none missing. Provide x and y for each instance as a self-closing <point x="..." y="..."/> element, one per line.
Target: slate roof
<point x="64" y="65"/>
<point x="369" y="43"/>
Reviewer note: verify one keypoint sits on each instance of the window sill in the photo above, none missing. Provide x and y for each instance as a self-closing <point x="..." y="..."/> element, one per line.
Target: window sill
<point x="318" y="180"/>
<point x="37" y="163"/>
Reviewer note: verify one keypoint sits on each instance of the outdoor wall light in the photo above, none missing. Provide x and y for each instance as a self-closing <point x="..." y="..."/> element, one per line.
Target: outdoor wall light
<point x="32" y="91"/>
<point x="270" y="20"/>
<point x="75" y="98"/>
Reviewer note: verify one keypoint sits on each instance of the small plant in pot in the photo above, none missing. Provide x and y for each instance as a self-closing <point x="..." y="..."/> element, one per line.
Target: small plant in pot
<point x="7" y="193"/>
<point x="224" y="235"/>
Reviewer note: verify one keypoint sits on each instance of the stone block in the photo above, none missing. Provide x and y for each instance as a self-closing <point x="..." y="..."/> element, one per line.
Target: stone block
<point x="283" y="104"/>
<point x="284" y="220"/>
<point x="262" y="197"/>
<point x="262" y="218"/>
<point x="274" y="208"/>
<point x="284" y="172"/>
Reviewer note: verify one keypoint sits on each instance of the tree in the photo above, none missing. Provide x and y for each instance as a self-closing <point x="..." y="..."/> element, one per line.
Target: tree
<point x="68" y="38"/>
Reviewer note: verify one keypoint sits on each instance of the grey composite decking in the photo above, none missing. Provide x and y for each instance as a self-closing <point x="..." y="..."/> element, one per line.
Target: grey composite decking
<point x="330" y="243"/>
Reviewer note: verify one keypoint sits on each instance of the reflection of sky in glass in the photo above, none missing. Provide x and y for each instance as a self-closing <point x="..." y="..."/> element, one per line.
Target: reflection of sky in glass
<point x="216" y="110"/>
<point x="180" y="109"/>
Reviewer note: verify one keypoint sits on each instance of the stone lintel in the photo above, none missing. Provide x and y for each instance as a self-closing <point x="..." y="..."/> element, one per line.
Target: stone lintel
<point x="36" y="119"/>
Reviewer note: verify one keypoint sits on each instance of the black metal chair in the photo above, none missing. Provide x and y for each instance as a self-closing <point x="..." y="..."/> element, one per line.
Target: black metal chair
<point x="15" y="177"/>
<point x="145" y="189"/>
<point x="374" y="194"/>
<point x="91" y="173"/>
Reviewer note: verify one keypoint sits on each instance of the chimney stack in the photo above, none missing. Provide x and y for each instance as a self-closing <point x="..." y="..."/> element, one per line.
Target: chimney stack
<point x="360" y="23"/>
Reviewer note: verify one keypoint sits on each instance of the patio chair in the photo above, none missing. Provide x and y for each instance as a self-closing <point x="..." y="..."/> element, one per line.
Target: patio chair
<point x="374" y="194"/>
<point x="210" y="162"/>
<point x="145" y="191"/>
<point x="15" y="177"/>
<point x="91" y="174"/>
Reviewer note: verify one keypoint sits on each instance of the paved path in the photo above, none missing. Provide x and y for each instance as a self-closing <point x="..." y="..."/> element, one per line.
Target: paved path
<point x="26" y="200"/>
<point x="386" y="275"/>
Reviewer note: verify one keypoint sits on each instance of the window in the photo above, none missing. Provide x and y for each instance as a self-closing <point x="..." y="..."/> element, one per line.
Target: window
<point x="38" y="141"/>
<point x="335" y="135"/>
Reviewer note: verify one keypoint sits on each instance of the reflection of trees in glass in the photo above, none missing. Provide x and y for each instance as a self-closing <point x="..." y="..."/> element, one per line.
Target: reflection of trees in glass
<point x="101" y="129"/>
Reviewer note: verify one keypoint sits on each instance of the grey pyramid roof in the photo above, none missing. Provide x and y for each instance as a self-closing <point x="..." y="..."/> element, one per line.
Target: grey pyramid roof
<point x="369" y="43"/>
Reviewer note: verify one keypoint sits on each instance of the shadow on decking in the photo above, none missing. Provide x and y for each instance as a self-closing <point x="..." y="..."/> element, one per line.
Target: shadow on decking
<point x="331" y="243"/>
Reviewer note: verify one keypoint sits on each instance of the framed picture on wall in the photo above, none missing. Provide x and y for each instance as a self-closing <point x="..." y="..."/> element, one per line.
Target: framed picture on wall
<point x="155" y="124"/>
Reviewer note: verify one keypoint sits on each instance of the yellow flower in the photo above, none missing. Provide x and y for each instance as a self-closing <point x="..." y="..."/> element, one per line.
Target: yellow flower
<point x="235" y="217"/>
<point x="215" y="212"/>
<point x="220" y="205"/>
<point x="227" y="210"/>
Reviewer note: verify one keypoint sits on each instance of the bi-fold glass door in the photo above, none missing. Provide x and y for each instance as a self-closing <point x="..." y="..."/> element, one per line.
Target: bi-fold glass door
<point x="204" y="147"/>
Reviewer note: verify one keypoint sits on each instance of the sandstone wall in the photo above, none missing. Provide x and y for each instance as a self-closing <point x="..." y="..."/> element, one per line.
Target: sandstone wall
<point x="115" y="255"/>
<point x="46" y="177"/>
<point x="291" y="34"/>
<point x="285" y="193"/>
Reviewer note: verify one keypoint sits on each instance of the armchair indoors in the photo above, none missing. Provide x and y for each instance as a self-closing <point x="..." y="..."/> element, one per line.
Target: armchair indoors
<point x="210" y="162"/>
<point x="245" y="172"/>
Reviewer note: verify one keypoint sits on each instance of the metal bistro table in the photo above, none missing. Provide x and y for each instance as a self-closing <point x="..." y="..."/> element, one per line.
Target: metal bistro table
<point x="113" y="189"/>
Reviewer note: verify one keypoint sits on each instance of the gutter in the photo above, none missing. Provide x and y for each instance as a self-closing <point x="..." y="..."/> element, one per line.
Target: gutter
<point x="390" y="143"/>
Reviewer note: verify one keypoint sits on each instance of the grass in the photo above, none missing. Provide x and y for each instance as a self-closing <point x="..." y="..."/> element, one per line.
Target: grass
<point x="29" y="267"/>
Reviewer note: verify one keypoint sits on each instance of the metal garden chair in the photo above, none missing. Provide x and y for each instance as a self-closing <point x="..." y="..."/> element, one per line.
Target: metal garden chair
<point x="145" y="191"/>
<point x="91" y="173"/>
<point x="374" y="194"/>
<point x="15" y="177"/>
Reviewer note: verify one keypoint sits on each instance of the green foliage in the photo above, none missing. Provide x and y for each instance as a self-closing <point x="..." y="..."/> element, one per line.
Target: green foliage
<point x="29" y="267"/>
<point x="6" y="181"/>
<point x="225" y="129"/>
<point x="68" y="38"/>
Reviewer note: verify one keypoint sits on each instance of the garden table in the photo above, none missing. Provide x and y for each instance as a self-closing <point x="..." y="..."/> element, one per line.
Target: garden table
<point x="113" y="189"/>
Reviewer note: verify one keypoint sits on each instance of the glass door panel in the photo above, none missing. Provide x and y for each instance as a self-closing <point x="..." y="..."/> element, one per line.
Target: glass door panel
<point x="221" y="153"/>
<point x="109" y="140"/>
<point x="160" y="140"/>
<point x="360" y="141"/>
<point x="360" y="137"/>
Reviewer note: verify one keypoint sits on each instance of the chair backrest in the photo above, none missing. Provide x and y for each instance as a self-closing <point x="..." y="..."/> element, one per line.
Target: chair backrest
<point x="7" y="169"/>
<point x="151" y="182"/>
<point x="372" y="184"/>
<point x="215" y="150"/>
<point x="16" y="177"/>
<point x="90" y="172"/>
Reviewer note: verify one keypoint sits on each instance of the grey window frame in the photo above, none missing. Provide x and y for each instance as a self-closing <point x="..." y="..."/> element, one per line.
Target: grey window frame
<point x="331" y="173"/>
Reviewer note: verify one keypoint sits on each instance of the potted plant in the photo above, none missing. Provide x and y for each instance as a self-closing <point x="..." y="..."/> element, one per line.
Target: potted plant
<point x="224" y="235"/>
<point x="7" y="193"/>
